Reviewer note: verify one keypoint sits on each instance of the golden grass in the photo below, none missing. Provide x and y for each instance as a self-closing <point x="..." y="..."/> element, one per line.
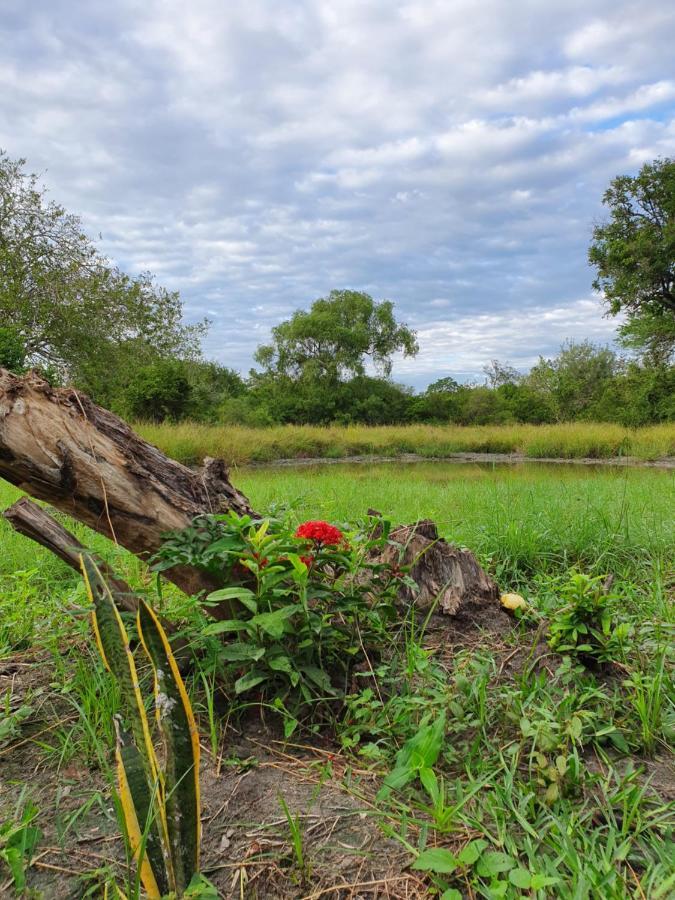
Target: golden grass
<point x="190" y="442"/>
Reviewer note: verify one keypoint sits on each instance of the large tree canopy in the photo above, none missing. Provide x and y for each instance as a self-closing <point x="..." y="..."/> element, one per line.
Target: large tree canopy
<point x="333" y="340"/>
<point x="634" y="254"/>
<point x="72" y="310"/>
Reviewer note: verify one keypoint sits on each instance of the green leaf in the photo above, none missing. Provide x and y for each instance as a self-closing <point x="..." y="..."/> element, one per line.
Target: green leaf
<point x="134" y="788"/>
<point x="493" y="862"/>
<point x="244" y="595"/>
<point x="290" y="724"/>
<point x="575" y="728"/>
<point x="469" y="854"/>
<point x="319" y="677"/>
<point x="552" y="793"/>
<point x="240" y="652"/>
<point x="541" y="881"/>
<point x="429" y="782"/>
<point x="280" y="664"/>
<point x="520" y="878"/>
<point x="395" y="781"/>
<point x="248" y="681"/>
<point x="451" y="894"/>
<point x="274" y="623"/>
<point x="436" y="860"/>
<point x="226" y="626"/>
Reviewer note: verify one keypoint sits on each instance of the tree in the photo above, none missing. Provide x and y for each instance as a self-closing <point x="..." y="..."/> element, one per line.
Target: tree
<point x="576" y="379"/>
<point x="498" y="374"/>
<point x="634" y="254"/>
<point x="332" y="341"/>
<point x="446" y="385"/>
<point x="70" y="307"/>
<point x="159" y="391"/>
<point x="12" y="351"/>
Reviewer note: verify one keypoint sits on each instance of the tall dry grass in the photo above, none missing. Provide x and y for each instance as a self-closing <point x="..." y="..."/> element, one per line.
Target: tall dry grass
<point x="190" y="442"/>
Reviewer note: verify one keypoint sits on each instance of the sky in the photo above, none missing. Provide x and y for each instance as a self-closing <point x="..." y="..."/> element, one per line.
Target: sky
<point x="448" y="156"/>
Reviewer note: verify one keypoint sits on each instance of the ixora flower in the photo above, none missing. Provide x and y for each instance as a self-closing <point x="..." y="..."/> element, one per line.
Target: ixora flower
<point x="320" y="533"/>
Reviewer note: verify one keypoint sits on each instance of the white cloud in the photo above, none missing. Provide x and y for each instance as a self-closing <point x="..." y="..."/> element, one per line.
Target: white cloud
<point x="447" y="155"/>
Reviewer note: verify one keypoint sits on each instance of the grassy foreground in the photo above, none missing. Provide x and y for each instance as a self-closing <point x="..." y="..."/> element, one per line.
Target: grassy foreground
<point x="559" y="769"/>
<point x="190" y="442"/>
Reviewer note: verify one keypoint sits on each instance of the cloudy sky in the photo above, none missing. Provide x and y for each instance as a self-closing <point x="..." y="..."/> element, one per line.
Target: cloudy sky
<point x="449" y="156"/>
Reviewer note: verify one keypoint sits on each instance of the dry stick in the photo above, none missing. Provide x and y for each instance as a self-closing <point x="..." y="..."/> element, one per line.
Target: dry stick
<point x="364" y="884"/>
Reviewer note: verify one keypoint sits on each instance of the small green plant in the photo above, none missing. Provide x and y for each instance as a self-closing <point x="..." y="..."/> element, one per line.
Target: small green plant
<point x="295" y="830"/>
<point x="160" y="803"/>
<point x="417" y="758"/>
<point x="584" y="626"/>
<point x="11" y="718"/>
<point x="651" y="699"/>
<point x="497" y="874"/>
<point x="18" y="840"/>
<point x="308" y="605"/>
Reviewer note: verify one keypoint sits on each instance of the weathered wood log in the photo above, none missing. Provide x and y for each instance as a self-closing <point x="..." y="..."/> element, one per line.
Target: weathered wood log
<point x="58" y="446"/>
<point x="34" y="522"/>
<point x="449" y="579"/>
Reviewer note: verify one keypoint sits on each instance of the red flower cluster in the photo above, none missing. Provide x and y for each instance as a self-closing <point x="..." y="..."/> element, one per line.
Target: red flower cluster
<point x="320" y="532"/>
<point x="308" y="560"/>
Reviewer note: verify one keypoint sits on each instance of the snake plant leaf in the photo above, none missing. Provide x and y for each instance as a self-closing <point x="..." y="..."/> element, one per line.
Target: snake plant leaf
<point x="181" y="742"/>
<point x="140" y="816"/>
<point x="113" y="643"/>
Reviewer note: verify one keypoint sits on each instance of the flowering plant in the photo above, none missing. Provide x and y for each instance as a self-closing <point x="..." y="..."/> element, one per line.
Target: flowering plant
<point x="307" y="601"/>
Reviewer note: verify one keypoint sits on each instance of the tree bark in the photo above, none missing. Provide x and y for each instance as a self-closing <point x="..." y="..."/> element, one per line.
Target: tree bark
<point x="58" y="446"/>
<point x="449" y="579"/>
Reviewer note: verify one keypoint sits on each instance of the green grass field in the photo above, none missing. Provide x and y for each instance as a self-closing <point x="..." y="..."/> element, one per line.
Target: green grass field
<point x="564" y="771"/>
<point x="190" y="442"/>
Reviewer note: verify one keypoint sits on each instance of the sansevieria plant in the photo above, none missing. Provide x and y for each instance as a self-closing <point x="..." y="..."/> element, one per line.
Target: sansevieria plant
<point x="159" y="792"/>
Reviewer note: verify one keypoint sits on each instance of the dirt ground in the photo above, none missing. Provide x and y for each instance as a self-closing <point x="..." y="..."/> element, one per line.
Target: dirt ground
<point x="247" y="847"/>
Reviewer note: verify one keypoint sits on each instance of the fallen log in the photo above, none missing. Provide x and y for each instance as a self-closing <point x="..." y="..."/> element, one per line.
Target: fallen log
<point x="58" y="446"/>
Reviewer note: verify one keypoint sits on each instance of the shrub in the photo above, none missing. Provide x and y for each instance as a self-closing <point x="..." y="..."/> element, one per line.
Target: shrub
<point x="584" y="626"/>
<point x="159" y="391"/>
<point x="12" y="351"/>
<point x="308" y="603"/>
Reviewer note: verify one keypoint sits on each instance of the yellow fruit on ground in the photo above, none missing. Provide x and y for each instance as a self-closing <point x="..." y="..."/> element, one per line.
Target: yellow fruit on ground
<point x="512" y="601"/>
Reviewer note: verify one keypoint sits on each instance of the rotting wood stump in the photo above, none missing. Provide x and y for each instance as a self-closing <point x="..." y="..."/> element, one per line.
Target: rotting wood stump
<point x="59" y="446"/>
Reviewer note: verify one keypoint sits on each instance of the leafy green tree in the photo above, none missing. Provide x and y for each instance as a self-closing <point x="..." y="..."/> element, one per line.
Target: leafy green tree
<point x="498" y="374"/>
<point x="333" y="340"/>
<point x="575" y="380"/>
<point x="12" y="351"/>
<point x="373" y="401"/>
<point x="159" y="391"/>
<point x="480" y="405"/>
<point x="71" y="308"/>
<point x="527" y="405"/>
<point x="211" y="387"/>
<point x="446" y="385"/>
<point x="634" y="255"/>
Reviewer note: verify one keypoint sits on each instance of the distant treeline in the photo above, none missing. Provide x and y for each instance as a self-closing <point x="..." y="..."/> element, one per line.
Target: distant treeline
<point x="583" y="382"/>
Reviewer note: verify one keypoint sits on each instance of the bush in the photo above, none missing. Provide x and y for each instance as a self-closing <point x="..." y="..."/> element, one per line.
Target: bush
<point x="159" y="391"/>
<point x="307" y="604"/>
<point x="584" y="626"/>
<point x="12" y="351"/>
